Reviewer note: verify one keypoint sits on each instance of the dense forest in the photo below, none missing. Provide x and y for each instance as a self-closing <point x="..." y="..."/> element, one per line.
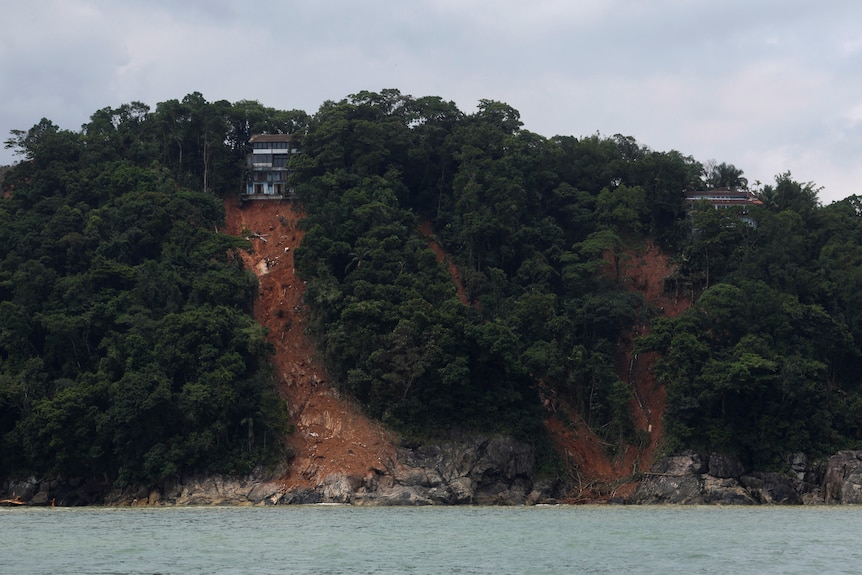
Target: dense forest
<point x="127" y="348"/>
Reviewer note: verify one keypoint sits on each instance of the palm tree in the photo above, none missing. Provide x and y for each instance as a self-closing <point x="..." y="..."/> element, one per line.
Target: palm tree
<point x="724" y="175"/>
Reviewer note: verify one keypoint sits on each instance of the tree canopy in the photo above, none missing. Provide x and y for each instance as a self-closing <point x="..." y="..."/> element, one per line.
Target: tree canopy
<point x="127" y="348"/>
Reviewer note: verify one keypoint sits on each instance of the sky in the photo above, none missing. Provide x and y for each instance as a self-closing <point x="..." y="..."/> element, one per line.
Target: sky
<point x="769" y="86"/>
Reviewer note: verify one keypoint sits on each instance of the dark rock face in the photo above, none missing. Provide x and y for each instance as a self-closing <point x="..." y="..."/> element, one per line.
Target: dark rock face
<point x="725" y="467"/>
<point x="687" y="463"/>
<point x="675" y="489"/>
<point x="23" y="490"/>
<point x="843" y="480"/>
<point x="302" y="496"/>
<point x="724" y="491"/>
<point x="478" y="470"/>
<point x="721" y="480"/>
<point x="772" y="488"/>
<point x="473" y="470"/>
<point x="482" y="471"/>
<point x="63" y="493"/>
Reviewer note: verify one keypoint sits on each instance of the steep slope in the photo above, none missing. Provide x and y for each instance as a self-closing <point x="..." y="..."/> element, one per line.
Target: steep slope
<point x="596" y="474"/>
<point x="332" y="436"/>
<point x="427" y="230"/>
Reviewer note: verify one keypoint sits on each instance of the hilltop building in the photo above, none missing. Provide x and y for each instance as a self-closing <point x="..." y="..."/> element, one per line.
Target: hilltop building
<point x="725" y="198"/>
<point x="722" y="198"/>
<point x="266" y="167"/>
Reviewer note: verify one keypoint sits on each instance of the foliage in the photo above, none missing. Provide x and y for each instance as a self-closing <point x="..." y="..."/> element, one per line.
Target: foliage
<point x="539" y="229"/>
<point x="126" y="347"/>
<point x="527" y="219"/>
<point x="765" y="363"/>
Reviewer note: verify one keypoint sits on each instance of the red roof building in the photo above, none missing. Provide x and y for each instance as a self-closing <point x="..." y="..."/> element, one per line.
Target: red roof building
<point x="723" y="198"/>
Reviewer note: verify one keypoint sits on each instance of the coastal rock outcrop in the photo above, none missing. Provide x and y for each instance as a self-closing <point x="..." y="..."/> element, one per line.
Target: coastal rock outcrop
<point x="200" y="490"/>
<point x="481" y="470"/>
<point x="843" y="478"/>
<point x="476" y="470"/>
<point x="692" y="479"/>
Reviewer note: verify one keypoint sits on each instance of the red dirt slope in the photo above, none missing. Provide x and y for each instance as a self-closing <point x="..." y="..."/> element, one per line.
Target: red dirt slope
<point x="427" y="230"/>
<point x="599" y="476"/>
<point x="596" y="475"/>
<point x="332" y="436"/>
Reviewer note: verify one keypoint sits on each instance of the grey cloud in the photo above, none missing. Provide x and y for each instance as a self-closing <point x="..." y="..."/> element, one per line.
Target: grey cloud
<point x="769" y="86"/>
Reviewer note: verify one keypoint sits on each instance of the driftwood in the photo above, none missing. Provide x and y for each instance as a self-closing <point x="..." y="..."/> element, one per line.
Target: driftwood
<point x="261" y="237"/>
<point x="11" y="502"/>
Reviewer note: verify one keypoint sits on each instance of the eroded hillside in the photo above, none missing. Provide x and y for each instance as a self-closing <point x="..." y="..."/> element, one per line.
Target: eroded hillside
<point x="331" y="435"/>
<point x="596" y="474"/>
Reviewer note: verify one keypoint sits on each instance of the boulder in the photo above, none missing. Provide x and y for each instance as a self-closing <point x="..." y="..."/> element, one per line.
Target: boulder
<point x="514" y="493"/>
<point x="40" y="498"/>
<point x="798" y="462"/>
<point x="397" y="495"/>
<point x="725" y="466"/>
<point x="23" y="489"/>
<point x="468" y="470"/>
<point x="725" y="491"/>
<point x="843" y="479"/>
<point x="678" y="489"/>
<point x="339" y="488"/>
<point x="461" y="491"/>
<point x="687" y="463"/>
<point x="690" y="479"/>
<point x="300" y="496"/>
<point x="772" y="488"/>
<point x="545" y="491"/>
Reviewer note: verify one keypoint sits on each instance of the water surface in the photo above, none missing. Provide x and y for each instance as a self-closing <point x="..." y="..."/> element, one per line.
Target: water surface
<point x="473" y="540"/>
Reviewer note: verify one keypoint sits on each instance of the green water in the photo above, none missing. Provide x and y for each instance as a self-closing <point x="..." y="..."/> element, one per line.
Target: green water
<point x="332" y="540"/>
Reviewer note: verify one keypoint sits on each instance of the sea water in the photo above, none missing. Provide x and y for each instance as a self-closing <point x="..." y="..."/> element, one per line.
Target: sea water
<point x="432" y="540"/>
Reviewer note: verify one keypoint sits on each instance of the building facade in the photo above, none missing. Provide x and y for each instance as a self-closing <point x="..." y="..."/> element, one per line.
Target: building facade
<point x="266" y="166"/>
<point x="722" y="198"/>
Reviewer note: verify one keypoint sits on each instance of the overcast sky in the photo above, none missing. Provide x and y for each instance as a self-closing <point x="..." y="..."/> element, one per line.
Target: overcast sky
<point x="767" y="85"/>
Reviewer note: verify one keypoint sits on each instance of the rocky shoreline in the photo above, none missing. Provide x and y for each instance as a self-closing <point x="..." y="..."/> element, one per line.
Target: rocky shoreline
<point x="475" y="471"/>
<point x="479" y="471"/>
<point x="692" y="479"/>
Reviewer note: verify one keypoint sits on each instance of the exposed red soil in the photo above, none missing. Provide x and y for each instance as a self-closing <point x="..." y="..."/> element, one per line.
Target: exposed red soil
<point x="599" y="475"/>
<point x="332" y="435"/>
<point x="442" y="257"/>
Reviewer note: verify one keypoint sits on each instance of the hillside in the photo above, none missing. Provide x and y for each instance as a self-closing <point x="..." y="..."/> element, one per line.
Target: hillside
<point x="453" y="275"/>
<point x="598" y="474"/>
<point x="331" y="435"/>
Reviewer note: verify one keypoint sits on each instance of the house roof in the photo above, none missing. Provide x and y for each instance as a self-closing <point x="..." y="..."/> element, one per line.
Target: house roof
<point x="723" y="197"/>
<point x="266" y="138"/>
